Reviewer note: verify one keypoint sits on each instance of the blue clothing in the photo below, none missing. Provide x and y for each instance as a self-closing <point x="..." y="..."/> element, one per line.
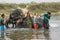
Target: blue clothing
<point x="2" y="28"/>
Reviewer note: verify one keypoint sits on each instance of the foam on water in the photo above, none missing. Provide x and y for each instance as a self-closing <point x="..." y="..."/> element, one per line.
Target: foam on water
<point x="53" y="25"/>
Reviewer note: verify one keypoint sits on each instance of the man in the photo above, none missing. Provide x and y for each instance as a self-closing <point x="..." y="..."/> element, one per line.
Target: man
<point x="28" y="17"/>
<point x="46" y="20"/>
<point x="2" y="25"/>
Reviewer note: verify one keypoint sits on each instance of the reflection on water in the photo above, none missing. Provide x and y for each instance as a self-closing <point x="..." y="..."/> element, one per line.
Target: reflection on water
<point x="29" y="34"/>
<point x="46" y="34"/>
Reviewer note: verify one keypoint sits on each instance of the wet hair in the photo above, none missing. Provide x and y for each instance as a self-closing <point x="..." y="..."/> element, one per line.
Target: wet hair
<point x="2" y="15"/>
<point x="49" y="12"/>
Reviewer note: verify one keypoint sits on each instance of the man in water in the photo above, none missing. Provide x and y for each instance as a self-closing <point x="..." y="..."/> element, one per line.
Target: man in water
<point x="46" y="20"/>
<point x="28" y="17"/>
<point x="2" y="29"/>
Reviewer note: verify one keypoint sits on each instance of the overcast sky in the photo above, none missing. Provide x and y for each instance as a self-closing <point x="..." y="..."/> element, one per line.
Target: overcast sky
<point x="27" y="1"/>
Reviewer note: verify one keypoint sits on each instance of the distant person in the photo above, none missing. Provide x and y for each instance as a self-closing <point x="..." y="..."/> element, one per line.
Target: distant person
<point x="2" y="23"/>
<point x="46" y="20"/>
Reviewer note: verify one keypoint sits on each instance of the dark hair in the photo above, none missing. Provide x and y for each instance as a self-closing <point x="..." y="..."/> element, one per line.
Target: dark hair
<point x="2" y="15"/>
<point x="49" y="12"/>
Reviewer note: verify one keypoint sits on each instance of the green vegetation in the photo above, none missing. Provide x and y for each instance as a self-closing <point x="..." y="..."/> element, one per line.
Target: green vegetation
<point x="44" y="7"/>
<point x="39" y="8"/>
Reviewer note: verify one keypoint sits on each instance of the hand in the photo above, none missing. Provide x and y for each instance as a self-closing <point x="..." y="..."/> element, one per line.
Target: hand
<point x="19" y="20"/>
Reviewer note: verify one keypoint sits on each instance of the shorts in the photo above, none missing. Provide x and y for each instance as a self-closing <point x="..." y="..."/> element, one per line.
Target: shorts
<point x="46" y="25"/>
<point x="35" y="25"/>
<point x="2" y="28"/>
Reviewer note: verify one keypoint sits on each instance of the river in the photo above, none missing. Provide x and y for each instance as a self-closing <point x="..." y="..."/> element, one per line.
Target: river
<point x="29" y="34"/>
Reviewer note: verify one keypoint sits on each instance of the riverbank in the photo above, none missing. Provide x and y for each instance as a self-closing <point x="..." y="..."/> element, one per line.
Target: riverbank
<point x="7" y="12"/>
<point x="40" y="8"/>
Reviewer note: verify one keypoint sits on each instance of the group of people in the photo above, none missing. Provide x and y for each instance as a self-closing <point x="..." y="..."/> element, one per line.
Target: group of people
<point x="35" y="23"/>
<point x="36" y="20"/>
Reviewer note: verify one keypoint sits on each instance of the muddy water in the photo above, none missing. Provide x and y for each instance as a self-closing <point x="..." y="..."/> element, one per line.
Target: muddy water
<point x="55" y="28"/>
<point x="29" y="34"/>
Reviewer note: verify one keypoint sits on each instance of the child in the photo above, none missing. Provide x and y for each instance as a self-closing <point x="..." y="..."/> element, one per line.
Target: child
<point x="2" y="25"/>
<point x="36" y="22"/>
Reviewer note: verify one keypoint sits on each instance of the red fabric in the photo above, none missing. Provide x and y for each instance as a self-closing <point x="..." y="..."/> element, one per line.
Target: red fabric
<point x="35" y="25"/>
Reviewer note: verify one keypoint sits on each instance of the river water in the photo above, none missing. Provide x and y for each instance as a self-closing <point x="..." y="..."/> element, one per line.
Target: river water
<point x="53" y="33"/>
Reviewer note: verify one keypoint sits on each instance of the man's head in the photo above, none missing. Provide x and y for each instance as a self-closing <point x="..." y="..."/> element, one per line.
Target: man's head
<point x="3" y="15"/>
<point x="49" y="13"/>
